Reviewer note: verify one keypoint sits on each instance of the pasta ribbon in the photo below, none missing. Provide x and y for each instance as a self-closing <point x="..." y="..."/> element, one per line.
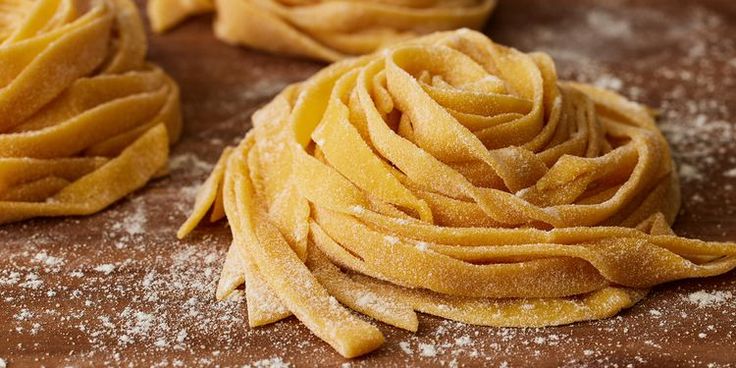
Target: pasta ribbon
<point x="327" y="30"/>
<point x="84" y="120"/>
<point x="452" y="176"/>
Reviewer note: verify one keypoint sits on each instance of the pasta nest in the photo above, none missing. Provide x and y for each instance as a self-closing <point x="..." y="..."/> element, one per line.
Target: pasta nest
<point x="452" y="176"/>
<point x="325" y="30"/>
<point x="84" y="120"/>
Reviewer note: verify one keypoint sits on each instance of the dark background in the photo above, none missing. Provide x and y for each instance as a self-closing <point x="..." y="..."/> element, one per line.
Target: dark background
<point x="118" y="288"/>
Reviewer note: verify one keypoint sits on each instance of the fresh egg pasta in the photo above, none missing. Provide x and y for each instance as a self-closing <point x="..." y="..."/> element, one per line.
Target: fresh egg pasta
<point x="452" y="176"/>
<point x="84" y="119"/>
<point x="323" y="30"/>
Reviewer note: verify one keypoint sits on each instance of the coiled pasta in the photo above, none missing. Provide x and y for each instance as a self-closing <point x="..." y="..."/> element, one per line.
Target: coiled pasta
<point x="452" y="176"/>
<point x="324" y="30"/>
<point x="84" y="120"/>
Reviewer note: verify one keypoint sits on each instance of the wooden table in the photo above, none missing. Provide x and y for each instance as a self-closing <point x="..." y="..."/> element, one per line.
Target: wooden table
<point x="118" y="288"/>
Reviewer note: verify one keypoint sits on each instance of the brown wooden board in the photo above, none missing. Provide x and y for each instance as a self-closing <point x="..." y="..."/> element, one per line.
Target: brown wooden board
<point x="118" y="288"/>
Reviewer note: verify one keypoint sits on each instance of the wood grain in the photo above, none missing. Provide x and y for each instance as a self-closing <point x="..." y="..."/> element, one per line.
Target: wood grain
<point x="118" y="289"/>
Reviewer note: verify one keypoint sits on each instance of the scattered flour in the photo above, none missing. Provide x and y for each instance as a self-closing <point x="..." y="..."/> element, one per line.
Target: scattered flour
<point x="52" y="263"/>
<point x="76" y="274"/>
<point x="106" y="268"/>
<point x="391" y="239"/>
<point x="358" y="210"/>
<point x="401" y="221"/>
<point x="464" y="340"/>
<point x="275" y="362"/>
<point x="406" y="348"/>
<point x="427" y="350"/>
<point x="191" y="163"/>
<point x="23" y="315"/>
<point x="608" y="24"/>
<point x="709" y="299"/>
<point x="135" y="223"/>
<point x="32" y="281"/>
<point x="175" y="299"/>
<point x="181" y="336"/>
<point x="689" y="172"/>
<point x="11" y="279"/>
<point x="608" y="81"/>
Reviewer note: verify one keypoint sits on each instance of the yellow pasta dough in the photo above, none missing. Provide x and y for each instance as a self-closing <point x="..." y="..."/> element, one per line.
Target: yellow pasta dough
<point x="324" y="29"/>
<point x="452" y="176"/>
<point x="84" y="120"/>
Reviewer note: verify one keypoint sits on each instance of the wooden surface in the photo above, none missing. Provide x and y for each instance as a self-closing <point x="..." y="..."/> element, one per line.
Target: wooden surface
<point x="118" y="289"/>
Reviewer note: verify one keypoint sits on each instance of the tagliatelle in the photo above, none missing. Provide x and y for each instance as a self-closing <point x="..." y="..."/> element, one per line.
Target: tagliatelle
<point x="323" y="29"/>
<point x="452" y="176"/>
<point x="84" y="120"/>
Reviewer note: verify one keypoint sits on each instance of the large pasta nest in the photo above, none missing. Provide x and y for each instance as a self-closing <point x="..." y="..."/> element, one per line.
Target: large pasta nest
<point x="452" y="176"/>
